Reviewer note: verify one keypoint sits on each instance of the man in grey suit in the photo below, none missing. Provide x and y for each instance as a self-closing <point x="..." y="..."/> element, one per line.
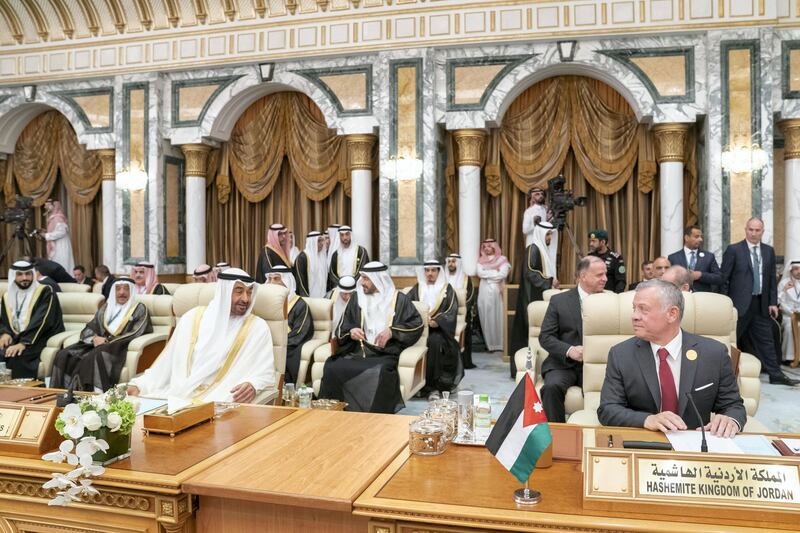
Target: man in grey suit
<point x="562" y="337"/>
<point x="650" y="376"/>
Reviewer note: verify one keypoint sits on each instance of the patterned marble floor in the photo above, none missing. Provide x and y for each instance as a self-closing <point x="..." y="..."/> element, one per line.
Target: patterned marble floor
<point x="779" y="409"/>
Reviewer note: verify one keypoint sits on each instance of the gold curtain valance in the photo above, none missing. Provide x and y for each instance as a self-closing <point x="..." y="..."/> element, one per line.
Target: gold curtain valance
<point x="281" y="125"/>
<point x="46" y="146"/>
<point x="533" y="141"/>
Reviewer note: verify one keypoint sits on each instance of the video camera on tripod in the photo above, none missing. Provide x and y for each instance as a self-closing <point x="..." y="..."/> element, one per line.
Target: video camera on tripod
<point x="561" y="201"/>
<point x="19" y="215"/>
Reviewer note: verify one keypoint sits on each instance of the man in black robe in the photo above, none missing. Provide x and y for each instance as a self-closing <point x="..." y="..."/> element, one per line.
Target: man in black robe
<point x="311" y="267"/>
<point x="103" y="275"/>
<point x="340" y="296"/>
<point x="301" y="325"/>
<point x="145" y="279"/>
<point x="29" y="315"/>
<point x="458" y="279"/>
<point x="443" y="368"/>
<point x="378" y="323"/>
<point x="275" y="252"/>
<point x="51" y="269"/>
<point x="96" y="360"/>
<point x="348" y="259"/>
<point x="538" y="275"/>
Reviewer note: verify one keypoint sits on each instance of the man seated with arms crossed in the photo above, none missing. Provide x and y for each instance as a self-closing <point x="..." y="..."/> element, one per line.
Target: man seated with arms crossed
<point x="649" y="377"/>
<point x="562" y="337"/>
<point x="222" y="352"/>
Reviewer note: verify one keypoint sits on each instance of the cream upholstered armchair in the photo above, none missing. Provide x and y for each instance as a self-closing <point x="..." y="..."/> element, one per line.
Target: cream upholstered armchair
<point x="321" y="310"/>
<point x="143" y="350"/>
<point x="3" y="288"/>
<point x="270" y="305"/>
<point x="461" y="320"/>
<point x="77" y="309"/>
<point x="607" y="321"/>
<point x="172" y="287"/>
<point x="410" y="367"/>
<point x="75" y="287"/>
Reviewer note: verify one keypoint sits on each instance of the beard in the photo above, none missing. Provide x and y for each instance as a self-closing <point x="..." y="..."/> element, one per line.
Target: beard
<point x="23" y="284"/>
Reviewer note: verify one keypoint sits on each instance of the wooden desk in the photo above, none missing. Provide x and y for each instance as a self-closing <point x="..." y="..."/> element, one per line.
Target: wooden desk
<point x="467" y="490"/>
<point x="140" y="494"/>
<point x="302" y="478"/>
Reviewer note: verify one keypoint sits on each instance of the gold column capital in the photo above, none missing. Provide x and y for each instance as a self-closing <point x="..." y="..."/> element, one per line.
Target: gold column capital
<point x="359" y="150"/>
<point x="791" y="135"/>
<point x="670" y="141"/>
<point x="108" y="160"/>
<point x="195" y="156"/>
<point x="470" y="145"/>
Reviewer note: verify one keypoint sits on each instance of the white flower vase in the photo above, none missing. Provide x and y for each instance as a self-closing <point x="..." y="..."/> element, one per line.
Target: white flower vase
<point x="119" y="446"/>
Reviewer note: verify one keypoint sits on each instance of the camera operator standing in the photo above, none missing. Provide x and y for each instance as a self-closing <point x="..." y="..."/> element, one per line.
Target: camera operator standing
<point x="615" y="265"/>
<point x="59" y="246"/>
<point x="536" y="212"/>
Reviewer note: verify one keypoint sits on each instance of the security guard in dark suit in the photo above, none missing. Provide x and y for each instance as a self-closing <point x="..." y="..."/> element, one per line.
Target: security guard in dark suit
<point x="615" y="265"/>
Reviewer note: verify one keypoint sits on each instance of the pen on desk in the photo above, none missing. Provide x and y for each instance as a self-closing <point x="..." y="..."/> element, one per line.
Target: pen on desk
<point x="610" y="441"/>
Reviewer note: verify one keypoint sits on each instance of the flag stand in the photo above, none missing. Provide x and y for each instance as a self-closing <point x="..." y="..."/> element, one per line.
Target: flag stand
<point x="527" y="496"/>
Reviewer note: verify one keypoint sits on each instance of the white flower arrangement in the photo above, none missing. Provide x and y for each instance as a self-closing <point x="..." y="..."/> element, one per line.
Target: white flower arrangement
<point x="112" y="411"/>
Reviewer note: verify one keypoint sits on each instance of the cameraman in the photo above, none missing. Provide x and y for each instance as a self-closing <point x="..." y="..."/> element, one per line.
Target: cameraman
<point x="615" y="265"/>
<point x="536" y="212"/>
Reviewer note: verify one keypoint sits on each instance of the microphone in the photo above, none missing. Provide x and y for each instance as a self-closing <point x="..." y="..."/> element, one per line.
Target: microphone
<point x="703" y="443"/>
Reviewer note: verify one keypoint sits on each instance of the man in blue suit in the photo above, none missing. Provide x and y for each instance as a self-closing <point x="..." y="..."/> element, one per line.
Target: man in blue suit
<point x="749" y="279"/>
<point x="701" y="263"/>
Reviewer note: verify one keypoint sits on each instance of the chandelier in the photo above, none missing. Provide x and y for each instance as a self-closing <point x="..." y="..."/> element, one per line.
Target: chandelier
<point x="134" y="179"/>
<point x="744" y="159"/>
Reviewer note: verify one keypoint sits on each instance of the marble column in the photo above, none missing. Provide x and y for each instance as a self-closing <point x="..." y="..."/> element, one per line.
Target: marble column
<point x="670" y="141"/>
<point x="108" y="163"/>
<point x="195" y="155"/>
<point x="791" y="165"/>
<point x="469" y="159"/>
<point x="359" y="152"/>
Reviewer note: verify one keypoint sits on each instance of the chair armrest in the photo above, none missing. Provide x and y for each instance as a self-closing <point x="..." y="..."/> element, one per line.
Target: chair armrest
<point x="135" y="350"/>
<point x="57" y="340"/>
<point x="139" y="343"/>
<point x="749" y="365"/>
<point x="309" y="347"/>
<point x="322" y="353"/>
<point x="411" y="355"/>
<point x="266" y="396"/>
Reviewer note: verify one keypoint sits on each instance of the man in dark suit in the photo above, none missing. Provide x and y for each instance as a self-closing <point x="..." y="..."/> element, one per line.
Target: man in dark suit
<point x="647" y="273"/>
<point x="51" y="269"/>
<point x="701" y="263"/>
<point x="562" y="337"/>
<point x="750" y="280"/>
<point x="649" y="376"/>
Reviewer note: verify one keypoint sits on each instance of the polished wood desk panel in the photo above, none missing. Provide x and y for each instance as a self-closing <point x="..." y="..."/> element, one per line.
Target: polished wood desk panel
<point x="143" y="493"/>
<point x="322" y="460"/>
<point x="467" y="489"/>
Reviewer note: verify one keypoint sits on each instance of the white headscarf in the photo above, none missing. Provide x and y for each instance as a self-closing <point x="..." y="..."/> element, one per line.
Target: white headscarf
<point x="19" y="300"/>
<point x="116" y="313"/>
<point x="346" y="258"/>
<point x="547" y="252"/>
<point x="218" y="328"/>
<point x="347" y="285"/>
<point x="286" y="277"/>
<point x="333" y="234"/>
<point x="427" y="293"/>
<point x="317" y="266"/>
<point x="377" y="308"/>
<point x="456" y="280"/>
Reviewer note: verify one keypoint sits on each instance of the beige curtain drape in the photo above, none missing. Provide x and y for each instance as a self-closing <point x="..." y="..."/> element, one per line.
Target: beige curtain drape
<point x="282" y="164"/>
<point x="584" y="129"/>
<point x="47" y="155"/>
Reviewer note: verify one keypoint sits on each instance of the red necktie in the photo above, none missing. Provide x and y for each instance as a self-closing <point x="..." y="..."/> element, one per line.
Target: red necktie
<point x="669" y="395"/>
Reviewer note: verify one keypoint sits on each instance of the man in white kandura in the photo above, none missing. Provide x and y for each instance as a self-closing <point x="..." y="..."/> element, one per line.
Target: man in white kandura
<point x="222" y="352"/>
<point x="59" y="246"/>
<point x="789" y="302"/>
<point x="493" y="269"/>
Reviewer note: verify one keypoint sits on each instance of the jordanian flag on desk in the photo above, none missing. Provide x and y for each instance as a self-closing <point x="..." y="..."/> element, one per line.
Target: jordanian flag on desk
<point x="521" y="434"/>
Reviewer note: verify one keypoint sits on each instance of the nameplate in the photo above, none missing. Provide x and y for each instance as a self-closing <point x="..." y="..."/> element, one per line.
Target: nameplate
<point x="28" y="428"/>
<point x="736" y="481"/>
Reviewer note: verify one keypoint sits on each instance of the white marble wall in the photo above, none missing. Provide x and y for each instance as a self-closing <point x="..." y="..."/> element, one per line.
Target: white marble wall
<point x="714" y="199"/>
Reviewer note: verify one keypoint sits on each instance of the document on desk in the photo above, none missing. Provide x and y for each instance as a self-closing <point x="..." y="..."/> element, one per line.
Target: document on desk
<point x="148" y="404"/>
<point x="689" y="441"/>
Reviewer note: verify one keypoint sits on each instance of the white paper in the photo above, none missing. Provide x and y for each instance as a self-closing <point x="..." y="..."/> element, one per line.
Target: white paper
<point x="756" y="445"/>
<point x="689" y="441"/>
<point x="175" y="404"/>
<point x="145" y="405"/>
<point x="793" y="444"/>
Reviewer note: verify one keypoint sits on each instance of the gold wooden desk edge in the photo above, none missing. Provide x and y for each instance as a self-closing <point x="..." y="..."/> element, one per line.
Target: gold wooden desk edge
<point x="155" y="482"/>
<point x="371" y="506"/>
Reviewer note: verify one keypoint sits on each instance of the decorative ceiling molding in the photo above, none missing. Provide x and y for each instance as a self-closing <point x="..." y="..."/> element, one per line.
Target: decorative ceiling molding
<point x="64" y="17"/>
<point x="38" y="18"/>
<point x="13" y="22"/>
<point x="90" y="13"/>
<point x="118" y="13"/>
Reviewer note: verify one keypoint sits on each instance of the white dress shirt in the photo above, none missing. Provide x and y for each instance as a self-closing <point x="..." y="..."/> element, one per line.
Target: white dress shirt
<point x="674" y="347"/>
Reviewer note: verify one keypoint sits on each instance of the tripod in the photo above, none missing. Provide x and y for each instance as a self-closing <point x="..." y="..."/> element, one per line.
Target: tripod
<point x="572" y="239"/>
<point x="23" y="238"/>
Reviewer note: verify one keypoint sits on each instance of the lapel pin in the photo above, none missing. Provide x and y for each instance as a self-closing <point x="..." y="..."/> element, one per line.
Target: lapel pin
<point x="691" y="355"/>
